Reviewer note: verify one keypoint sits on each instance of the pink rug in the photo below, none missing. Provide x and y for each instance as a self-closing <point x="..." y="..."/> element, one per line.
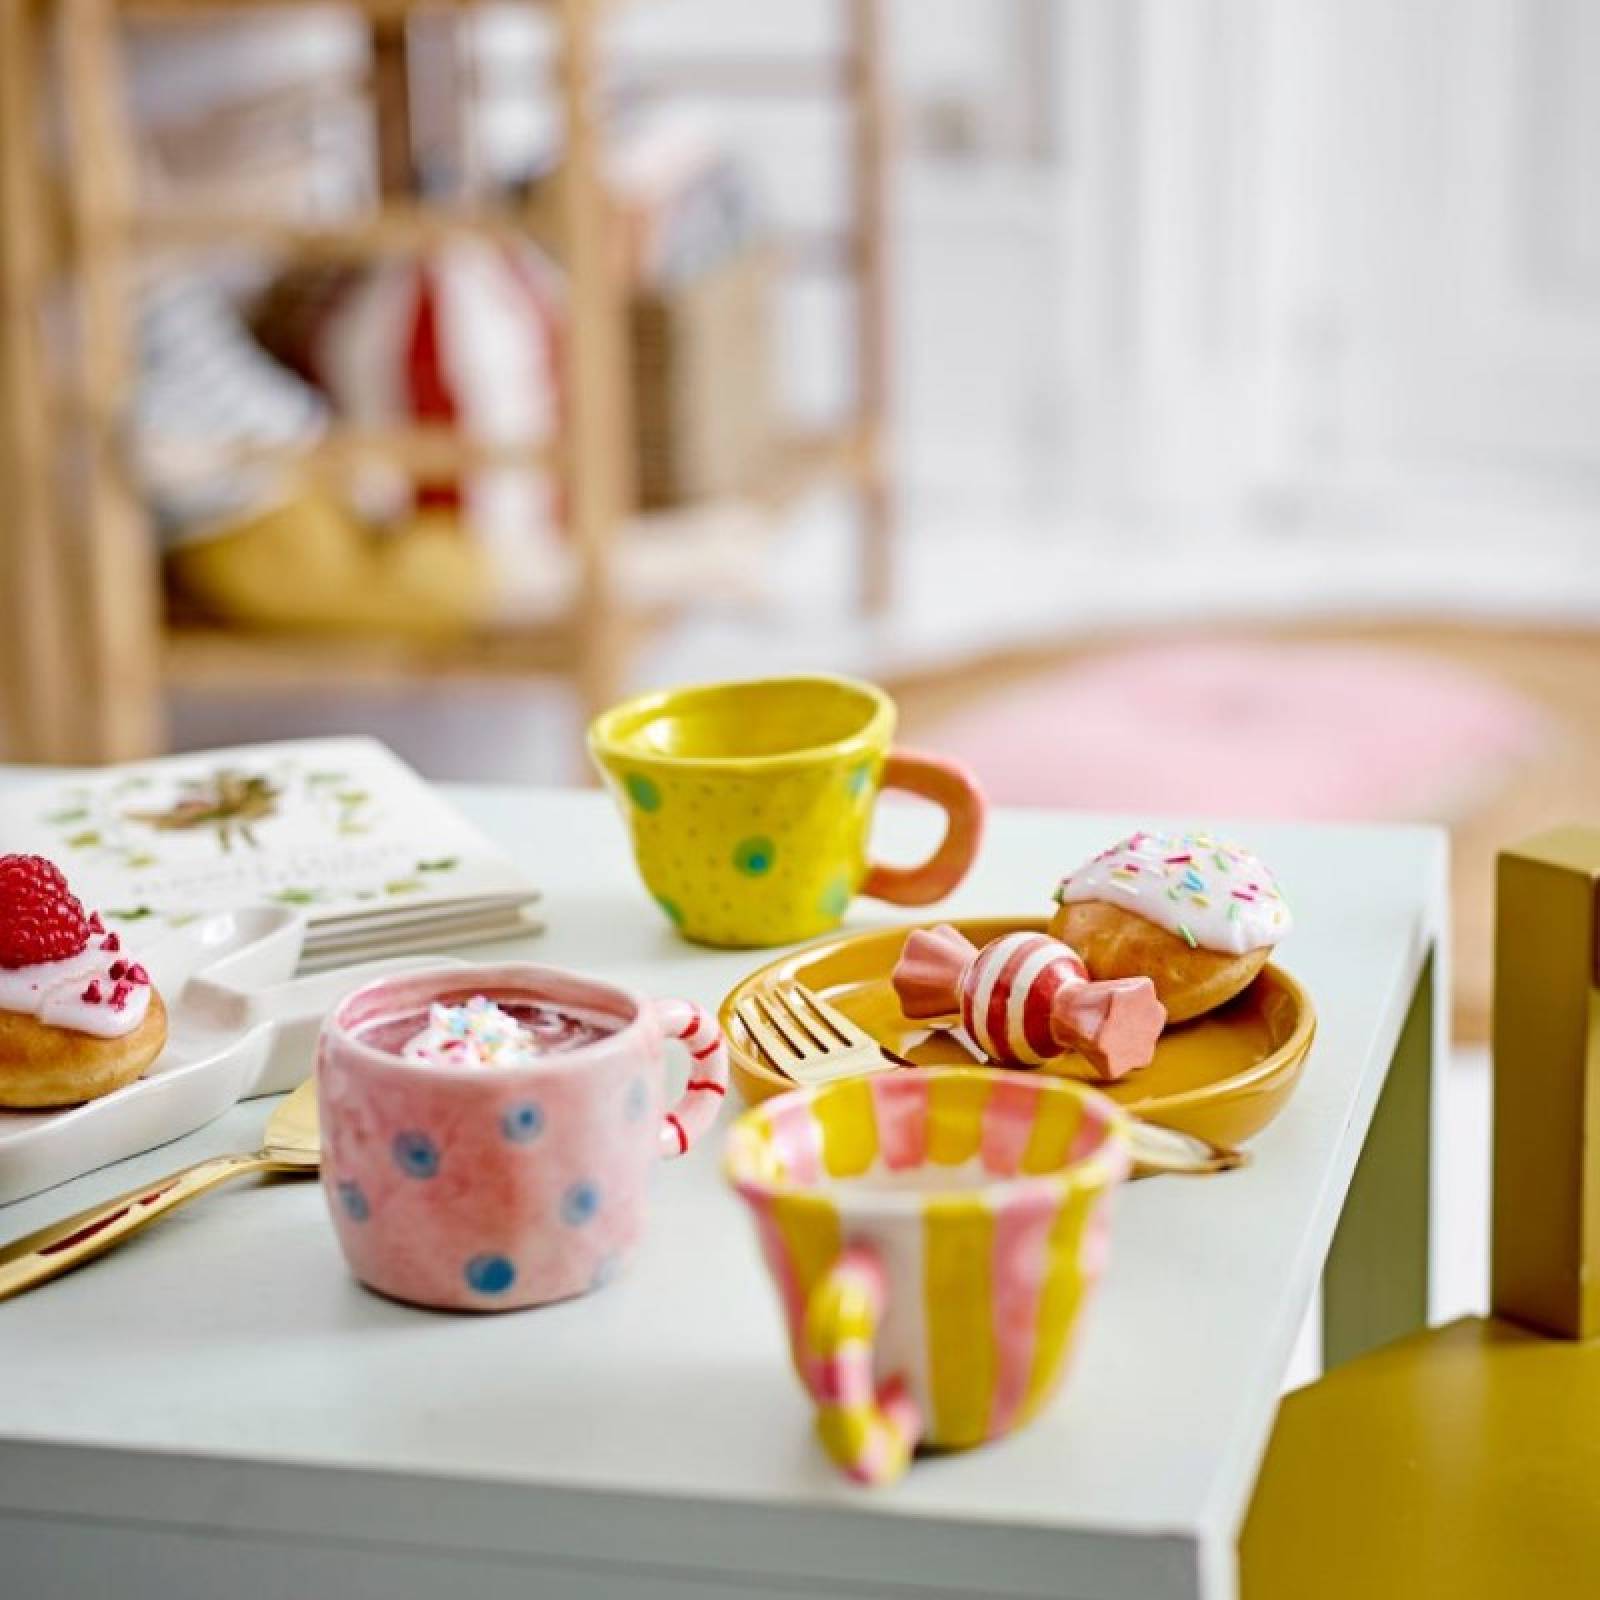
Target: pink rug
<point x="1332" y="731"/>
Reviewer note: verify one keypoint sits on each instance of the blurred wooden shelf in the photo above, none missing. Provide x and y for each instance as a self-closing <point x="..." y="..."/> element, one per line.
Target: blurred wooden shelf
<point x="397" y="10"/>
<point x="84" y="646"/>
<point x="394" y="227"/>
<point x="666" y="563"/>
<point x="421" y="450"/>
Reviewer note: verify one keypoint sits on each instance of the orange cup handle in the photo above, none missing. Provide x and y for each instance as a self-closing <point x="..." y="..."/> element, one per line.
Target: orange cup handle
<point x="953" y="788"/>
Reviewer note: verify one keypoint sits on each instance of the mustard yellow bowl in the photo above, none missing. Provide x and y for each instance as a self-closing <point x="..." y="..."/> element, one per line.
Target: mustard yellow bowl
<point x="749" y="804"/>
<point x="1222" y="1077"/>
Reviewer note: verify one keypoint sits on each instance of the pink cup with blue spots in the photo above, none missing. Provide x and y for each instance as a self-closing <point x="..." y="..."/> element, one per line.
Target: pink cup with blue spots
<point x="512" y="1181"/>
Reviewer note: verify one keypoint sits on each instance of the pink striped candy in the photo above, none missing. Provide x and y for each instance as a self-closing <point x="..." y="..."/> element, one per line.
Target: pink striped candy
<point x="1027" y="998"/>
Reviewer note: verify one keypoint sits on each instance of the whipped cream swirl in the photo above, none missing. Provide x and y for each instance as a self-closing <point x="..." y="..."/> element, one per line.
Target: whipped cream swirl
<point x="477" y="1034"/>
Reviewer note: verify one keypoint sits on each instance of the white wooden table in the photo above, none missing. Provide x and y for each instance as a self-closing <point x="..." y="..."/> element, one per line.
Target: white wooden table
<point x="219" y="1410"/>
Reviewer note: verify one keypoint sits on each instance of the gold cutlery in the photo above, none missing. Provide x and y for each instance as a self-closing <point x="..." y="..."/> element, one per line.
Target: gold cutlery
<point x="809" y="1040"/>
<point x="291" y="1145"/>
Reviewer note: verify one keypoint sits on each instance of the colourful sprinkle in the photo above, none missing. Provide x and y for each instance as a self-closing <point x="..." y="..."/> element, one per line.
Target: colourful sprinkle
<point x="1162" y="871"/>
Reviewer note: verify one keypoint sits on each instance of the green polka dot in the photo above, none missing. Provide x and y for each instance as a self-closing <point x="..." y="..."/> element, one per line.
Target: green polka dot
<point x="672" y="909"/>
<point x="643" y="792"/>
<point x="857" y="779"/>
<point x="835" y="898"/>
<point x="754" y="857"/>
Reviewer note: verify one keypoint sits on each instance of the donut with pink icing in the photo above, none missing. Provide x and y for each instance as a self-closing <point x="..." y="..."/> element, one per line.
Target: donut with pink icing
<point x="1197" y="915"/>
<point x="79" y="1015"/>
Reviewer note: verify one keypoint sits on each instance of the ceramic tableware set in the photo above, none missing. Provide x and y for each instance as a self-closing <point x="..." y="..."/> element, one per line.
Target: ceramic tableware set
<point x="933" y="1225"/>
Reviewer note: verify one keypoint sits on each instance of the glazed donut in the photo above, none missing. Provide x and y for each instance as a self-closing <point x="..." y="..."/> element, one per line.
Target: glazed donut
<point x="78" y="1016"/>
<point x="1198" y="917"/>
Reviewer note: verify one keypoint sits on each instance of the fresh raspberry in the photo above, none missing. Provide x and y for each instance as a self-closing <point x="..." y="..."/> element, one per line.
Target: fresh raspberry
<point x="39" y="918"/>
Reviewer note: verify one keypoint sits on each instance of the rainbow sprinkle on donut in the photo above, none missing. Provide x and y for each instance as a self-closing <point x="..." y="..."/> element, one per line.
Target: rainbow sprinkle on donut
<point x="1211" y="894"/>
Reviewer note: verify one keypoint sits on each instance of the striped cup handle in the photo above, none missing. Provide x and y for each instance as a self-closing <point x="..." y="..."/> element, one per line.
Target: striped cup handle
<point x="870" y="1431"/>
<point x="700" y="1034"/>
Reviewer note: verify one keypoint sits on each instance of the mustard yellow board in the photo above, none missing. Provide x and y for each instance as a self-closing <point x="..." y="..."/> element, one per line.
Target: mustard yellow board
<point x="1465" y="1461"/>
<point x="1461" y="1463"/>
<point x="1222" y="1077"/>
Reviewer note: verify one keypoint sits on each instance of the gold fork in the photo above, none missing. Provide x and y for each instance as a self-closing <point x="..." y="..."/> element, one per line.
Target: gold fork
<point x="291" y="1144"/>
<point x="807" y="1039"/>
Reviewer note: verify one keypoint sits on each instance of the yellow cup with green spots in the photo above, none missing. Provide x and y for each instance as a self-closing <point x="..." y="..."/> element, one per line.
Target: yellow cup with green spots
<point x="750" y="804"/>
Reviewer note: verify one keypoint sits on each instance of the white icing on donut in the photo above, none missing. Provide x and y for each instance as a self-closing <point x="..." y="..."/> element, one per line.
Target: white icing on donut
<point x="23" y="988"/>
<point x="1211" y="894"/>
<point x="80" y="993"/>
<point x="106" y="1018"/>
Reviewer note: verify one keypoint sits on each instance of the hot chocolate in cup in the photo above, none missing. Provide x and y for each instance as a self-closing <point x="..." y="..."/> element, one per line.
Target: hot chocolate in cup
<point x="488" y="1133"/>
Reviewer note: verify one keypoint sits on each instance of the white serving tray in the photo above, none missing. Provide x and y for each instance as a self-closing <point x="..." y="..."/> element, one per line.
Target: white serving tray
<point x="237" y="1026"/>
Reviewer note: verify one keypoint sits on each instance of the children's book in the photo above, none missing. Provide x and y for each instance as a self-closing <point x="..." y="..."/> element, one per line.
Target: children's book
<point x="381" y="862"/>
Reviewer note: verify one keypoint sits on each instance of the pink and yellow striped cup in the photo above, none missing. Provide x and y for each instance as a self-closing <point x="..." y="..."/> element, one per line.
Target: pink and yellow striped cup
<point x="933" y="1234"/>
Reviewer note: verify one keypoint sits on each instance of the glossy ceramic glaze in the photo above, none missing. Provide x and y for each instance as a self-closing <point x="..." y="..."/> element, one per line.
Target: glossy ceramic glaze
<point x="749" y="804"/>
<point x="239" y="1025"/>
<point x="933" y="1235"/>
<point x="1222" y="1077"/>
<point x="494" y="1187"/>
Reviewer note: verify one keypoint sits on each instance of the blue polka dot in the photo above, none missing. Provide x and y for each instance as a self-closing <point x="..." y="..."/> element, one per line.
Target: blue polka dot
<point x="490" y="1274"/>
<point x="353" y="1200"/>
<point x="858" y="777"/>
<point x="638" y="1101"/>
<point x="754" y="856"/>
<point x="416" y="1154"/>
<point x="580" y="1203"/>
<point x="523" y="1122"/>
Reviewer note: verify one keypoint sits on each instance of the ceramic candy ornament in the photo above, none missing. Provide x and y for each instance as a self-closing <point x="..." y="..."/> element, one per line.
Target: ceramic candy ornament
<point x="1195" y="915"/>
<point x="1027" y="998"/>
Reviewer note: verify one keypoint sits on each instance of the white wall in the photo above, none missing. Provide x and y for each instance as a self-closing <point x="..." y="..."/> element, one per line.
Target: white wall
<point x="1334" y="243"/>
<point x="1237" y="254"/>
